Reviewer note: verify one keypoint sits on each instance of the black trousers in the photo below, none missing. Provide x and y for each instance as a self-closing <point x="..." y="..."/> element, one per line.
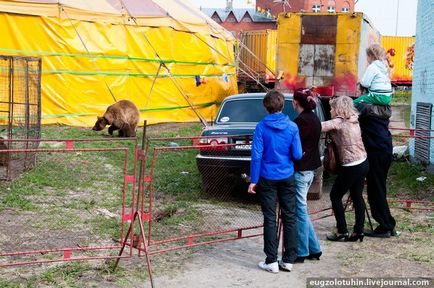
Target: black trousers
<point x="377" y="192"/>
<point x="349" y="178"/>
<point x="268" y="192"/>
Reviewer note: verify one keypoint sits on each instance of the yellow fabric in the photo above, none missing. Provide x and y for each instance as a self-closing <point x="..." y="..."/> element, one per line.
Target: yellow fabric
<point x="81" y="58"/>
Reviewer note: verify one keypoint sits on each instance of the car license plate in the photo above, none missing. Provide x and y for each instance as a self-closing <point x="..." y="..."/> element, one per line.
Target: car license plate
<point x="243" y="147"/>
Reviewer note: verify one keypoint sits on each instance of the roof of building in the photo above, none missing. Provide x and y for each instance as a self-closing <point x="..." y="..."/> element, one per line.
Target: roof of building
<point x="239" y="13"/>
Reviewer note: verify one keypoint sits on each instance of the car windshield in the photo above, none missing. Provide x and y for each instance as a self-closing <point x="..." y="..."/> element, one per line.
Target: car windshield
<point x="249" y="110"/>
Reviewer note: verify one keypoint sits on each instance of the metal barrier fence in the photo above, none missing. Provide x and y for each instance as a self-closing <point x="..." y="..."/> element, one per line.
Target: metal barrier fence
<point x="197" y="195"/>
<point x="89" y="200"/>
<point x="72" y="206"/>
<point x="20" y="111"/>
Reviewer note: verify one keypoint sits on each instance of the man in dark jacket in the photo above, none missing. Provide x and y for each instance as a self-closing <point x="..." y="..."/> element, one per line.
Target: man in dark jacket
<point x="374" y="123"/>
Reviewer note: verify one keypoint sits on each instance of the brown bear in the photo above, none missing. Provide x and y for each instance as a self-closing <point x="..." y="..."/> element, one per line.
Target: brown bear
<point x="122" y="116"/>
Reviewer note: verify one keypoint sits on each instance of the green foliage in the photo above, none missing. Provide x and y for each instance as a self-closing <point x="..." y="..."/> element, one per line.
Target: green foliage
<point x="401" y="97"/>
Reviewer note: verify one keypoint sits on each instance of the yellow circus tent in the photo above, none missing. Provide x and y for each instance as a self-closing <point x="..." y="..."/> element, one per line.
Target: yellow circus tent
<point x="164" y="55"/>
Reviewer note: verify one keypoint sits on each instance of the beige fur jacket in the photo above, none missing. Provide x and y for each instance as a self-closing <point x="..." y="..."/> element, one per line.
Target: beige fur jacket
<point x="346" y="134"/>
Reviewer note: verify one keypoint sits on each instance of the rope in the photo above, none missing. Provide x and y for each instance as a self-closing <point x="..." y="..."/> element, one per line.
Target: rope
<point x="236" y="64"/>
<point x="238" y="67"/>
<point x="152" y="86"/>
<point x="260" y="62"/>
<point x="175" y="82"/>
<point x="33" y="52"/>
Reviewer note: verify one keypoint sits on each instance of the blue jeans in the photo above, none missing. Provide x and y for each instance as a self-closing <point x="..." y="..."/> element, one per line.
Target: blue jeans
<point x="307" y="241"/>
<point x="269" y="191"/>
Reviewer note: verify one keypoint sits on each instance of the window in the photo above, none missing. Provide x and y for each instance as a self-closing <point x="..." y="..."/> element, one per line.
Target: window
<point x="231" y="19"/>
<point x="216" y="19"/>
<point x="246" y="18"/>
<point x="249" y="110"/>
<point x="345" y="9"/>
<point x="331" y="9"/>
<point x="316" y="8"/>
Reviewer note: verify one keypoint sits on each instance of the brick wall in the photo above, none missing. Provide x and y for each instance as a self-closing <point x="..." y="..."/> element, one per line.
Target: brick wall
<point x="247" y="26"/>
<point x="306" y="5"/>
<point x="423" y="67"/>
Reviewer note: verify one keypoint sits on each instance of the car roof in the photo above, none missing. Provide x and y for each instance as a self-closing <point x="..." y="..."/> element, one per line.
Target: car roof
<point x="253" y="96"/>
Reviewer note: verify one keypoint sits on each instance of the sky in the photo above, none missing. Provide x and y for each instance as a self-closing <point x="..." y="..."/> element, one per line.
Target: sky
<point x="382" y="13"/>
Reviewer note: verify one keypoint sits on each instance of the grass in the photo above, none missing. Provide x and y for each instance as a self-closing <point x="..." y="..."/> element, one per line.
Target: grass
<point x="401" y="97"/>
<point x="77" y="274"/>
<point x="62" y="193"/>
<point x="402" y="182"/>
<point x="405" y="114"/>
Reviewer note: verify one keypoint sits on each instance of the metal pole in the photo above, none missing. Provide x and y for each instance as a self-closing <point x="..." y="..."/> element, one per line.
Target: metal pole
<point x="397" y="14"/>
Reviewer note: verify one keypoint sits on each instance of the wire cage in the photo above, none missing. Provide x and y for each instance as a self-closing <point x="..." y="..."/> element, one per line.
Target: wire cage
<point x="20" y="113"/>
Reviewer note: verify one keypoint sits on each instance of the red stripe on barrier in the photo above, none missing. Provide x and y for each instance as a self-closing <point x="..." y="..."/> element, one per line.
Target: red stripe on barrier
<point x="140" y="155"/>
<point x="67" y="254"/>
<point x="128" y="217"/>
<point x="130" y="179"/>
<point x="146" y="216"/>
<point x="199" y="244"/>
<point x="69" y="145"/>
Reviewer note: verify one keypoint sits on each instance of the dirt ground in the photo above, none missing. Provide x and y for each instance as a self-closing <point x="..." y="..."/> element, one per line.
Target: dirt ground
<point x="234" y="264"/>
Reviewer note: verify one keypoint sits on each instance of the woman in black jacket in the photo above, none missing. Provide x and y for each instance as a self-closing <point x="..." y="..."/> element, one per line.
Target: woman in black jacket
<point x="309" y="127"/>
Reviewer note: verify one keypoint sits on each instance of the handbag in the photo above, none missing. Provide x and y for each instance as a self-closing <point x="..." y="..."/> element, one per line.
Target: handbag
<point x="331" y="159"/>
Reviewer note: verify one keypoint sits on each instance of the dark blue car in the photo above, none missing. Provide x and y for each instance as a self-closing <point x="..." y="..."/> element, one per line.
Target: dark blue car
<point x="224" y="160"/>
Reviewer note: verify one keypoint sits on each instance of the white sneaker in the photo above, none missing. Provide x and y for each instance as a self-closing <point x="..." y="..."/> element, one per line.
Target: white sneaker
<point x="272" y="267"/>
<point x="285" y="266"/>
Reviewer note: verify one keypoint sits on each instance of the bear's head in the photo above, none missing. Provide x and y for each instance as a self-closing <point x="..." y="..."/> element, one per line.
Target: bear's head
<point x="100" y="123"/>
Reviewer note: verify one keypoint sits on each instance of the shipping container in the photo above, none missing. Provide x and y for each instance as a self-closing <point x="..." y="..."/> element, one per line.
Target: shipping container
<point x="324" y="50"/>
<point x="400" y="51"/>
<point x="257" y="58"/>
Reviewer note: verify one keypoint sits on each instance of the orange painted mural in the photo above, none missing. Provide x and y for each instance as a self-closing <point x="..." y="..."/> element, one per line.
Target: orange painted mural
<point x="400" y="52"/>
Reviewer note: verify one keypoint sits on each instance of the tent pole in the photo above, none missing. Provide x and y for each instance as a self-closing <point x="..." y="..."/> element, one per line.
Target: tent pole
<point x="88" y="52"/>
<point x="175" y="82"/>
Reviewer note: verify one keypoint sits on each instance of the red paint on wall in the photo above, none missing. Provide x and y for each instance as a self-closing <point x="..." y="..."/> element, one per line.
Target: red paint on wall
<point x="345" y="85"/>
<point x="292" y="83"/>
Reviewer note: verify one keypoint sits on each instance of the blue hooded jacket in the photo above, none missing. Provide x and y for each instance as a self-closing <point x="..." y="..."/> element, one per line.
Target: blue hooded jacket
<point x="276" y="143"/>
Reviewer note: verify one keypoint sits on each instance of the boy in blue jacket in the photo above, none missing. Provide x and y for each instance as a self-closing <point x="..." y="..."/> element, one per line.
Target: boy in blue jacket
<point x="276" y="143"/>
